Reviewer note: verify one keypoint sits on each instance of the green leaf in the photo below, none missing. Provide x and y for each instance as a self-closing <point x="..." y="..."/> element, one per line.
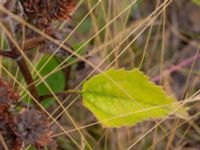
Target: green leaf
<point x="124" y="98"/>
<point x="197" y="2"/>
<point x="56" y="81"/>
<point x="48" y="102"/>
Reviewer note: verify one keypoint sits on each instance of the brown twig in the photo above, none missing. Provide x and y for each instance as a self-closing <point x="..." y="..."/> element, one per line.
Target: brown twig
<point x="26" y="74"/>
<point x="33" y="42"/>
<point x="7" y="54"/>
<point x="177" y="67"/>
<point x="27" y="45"/>
<point x="57" y="94"/>
<point x="21" y="63"/>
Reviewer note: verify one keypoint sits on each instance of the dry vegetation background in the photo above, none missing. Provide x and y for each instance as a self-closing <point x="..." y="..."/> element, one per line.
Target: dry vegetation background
<point x="161" y="37"/>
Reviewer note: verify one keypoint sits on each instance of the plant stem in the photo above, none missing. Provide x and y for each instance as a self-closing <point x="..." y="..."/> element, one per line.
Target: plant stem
<point x="59" y="94"/>
<point x="67" y="72"/>
<point x="177" y="67"/>
<point x="26" y="74"/>
<point x="21" y="63"/>
<point x="33" y="42"/>
<point x="7" y="54"/>
<point x="28" y="44"/>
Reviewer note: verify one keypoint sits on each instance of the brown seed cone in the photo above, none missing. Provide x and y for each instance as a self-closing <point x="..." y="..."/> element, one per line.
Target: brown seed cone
<point x="11" y="140"/>
<point x="42" y="12"/>
<point x="7" y="96"/>
<point x="32" y="128"/>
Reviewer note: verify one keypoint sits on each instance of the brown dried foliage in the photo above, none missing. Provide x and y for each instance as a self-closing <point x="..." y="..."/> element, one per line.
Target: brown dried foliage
<point x="32" y="128"/>
<point x="7" y="96"/>
<point x="28" y="126"/>
<point x="11" y="140"/>
<point x="42" y="12"/>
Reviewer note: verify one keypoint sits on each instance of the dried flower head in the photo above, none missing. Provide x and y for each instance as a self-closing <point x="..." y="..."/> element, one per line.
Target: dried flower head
<point x="42" y="12"/>
<point x="7" y="96"/>
<point x="9" y="137"/>
<point x="32" y="128"/>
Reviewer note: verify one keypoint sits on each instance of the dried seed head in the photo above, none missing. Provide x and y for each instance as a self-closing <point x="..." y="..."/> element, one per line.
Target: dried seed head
<point x="7" y="96"/>
<point x="42" y="12"/>
<point x="11" y="140"/>
<point x="32" y="128"/>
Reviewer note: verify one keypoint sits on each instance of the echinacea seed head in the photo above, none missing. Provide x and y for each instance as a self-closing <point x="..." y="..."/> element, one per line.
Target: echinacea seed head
<point x="32" y="127"/>
<point x="7" y="96"/>
<point x="43" y="12"/>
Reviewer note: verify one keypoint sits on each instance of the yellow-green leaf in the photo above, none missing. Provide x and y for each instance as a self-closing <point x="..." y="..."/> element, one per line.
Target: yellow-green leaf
<point x="197" y="2"/>
<point x="124" y="98"/>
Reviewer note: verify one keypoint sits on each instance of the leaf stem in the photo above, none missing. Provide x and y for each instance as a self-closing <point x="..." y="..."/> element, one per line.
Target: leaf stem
<point x="66" y="93"/>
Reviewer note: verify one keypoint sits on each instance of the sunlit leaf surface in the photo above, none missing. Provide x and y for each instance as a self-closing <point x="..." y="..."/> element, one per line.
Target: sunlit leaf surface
<point x="124" y="98"/>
